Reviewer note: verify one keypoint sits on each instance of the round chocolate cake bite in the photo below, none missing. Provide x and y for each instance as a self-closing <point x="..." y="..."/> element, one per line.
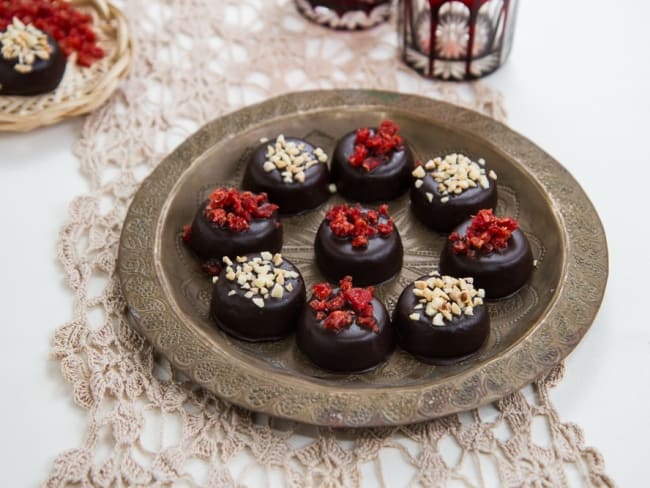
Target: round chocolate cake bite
<point x="372" y="164"/>
<point x="258" y="297"/>
<point x="345" y="329"/>
<point x="360" y="242"/>
<point x="291" y="171"/>
<point x="441" y="318"/>
<point x="232" y="223"/>
<point x="31" y="61"/>
<point x="492" y="250"/>
<point x="446" y="191"/>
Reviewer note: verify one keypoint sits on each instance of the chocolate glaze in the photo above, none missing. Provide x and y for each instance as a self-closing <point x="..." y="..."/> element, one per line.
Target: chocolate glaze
<point x="456" y="339"/>
<point x="240" y="317"/>
<point x="443" y="217"/>
<point x="45" y="76"/>
<point x="378" y="262"/>
<point x="386" y="182"/>
<point x="291" y="197"/>
<point x="500" y="273"/>
<point x="210" y="241"/>
<point x="352" y="349"/>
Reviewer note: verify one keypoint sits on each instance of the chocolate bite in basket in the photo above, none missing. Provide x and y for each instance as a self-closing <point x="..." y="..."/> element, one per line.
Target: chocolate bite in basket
<point x="372" y="164"/>
<point x="492" y="250"/>
<point x="448" y="190"/>
<point x="233" y="223"/>
<point x="258" y="297"/>
<point x="441" y="318"/>
<point x="361" y="242"/>
<point x="291" y="171"/>
<point x="31" y="61"/>
<point x="345" y="329"/>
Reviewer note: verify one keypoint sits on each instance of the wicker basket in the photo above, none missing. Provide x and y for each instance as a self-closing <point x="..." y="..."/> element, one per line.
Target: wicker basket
<point x="81" y="89"/>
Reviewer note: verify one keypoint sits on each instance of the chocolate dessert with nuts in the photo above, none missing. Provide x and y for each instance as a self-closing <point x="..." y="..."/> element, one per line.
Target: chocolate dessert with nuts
<point x="492" y="250"/>
<point x="345" y="329"/>
<point x="291" y="171"/>
<point x="361" y="242"/>
<point x="31" y="61"/>
<point x="372" y="164"/>
<point x="448" y="190"/>
<point x="231" y="223"/>
<point x="441" y="318"/>
<point x="258" y="297"/>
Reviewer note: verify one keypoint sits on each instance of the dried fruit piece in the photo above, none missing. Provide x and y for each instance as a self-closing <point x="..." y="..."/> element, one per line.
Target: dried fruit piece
<point x="71" y="28"/>
<point x="360" y="224"/>
<point x="372" y="148"/>
<point x="346" y="306"/>
<point x="486" y="233"/>
<point x="231" y="209"/>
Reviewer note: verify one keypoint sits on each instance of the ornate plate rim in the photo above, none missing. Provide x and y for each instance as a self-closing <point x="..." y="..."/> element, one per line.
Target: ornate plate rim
<point x="566" y="320"/>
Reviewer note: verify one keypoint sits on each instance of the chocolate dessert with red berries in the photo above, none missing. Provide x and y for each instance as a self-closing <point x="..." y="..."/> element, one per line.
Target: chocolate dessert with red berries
<point x="361" y="242"/>
<point x="345" y="329"/>
<point x="231" y="223"/>
<point x="492" y="250"/>
<point x="372" y="164"/>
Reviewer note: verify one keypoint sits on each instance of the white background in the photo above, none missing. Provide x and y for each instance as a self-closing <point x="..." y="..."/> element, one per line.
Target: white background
<point x="576" y="84"/>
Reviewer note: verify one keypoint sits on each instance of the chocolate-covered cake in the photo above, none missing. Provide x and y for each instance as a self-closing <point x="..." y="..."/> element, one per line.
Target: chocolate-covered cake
<point x="258" y="297"/>
<point x="345" y="329"/>
<point x="446" y="191"/>
<point x="233" y="223"/>
<point x="441" y="318"/>
<point x="31" y="61"/>
<point x="493" y="250"/>
<point x="360" y="242"/>
<point x="372" y="164"/>
<point x="291" y="171"/>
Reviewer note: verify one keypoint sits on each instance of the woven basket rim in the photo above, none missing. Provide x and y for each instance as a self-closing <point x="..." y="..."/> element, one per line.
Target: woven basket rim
<point x="104" y="86"/>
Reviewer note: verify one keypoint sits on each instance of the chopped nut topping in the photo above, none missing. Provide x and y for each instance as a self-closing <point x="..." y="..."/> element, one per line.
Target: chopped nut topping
<point x="453" y="174"/>
<point x="261" y="276"/>
<point x="444" y="297"/>
<point x="291" y="159"/>
<point x="24" y="43"/>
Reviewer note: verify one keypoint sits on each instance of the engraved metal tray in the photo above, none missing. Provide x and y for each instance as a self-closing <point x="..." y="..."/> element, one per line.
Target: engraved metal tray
<point x="168" y="295"/>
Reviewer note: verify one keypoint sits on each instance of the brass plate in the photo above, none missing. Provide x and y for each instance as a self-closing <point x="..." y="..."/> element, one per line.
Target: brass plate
<point x="532" y="331"/>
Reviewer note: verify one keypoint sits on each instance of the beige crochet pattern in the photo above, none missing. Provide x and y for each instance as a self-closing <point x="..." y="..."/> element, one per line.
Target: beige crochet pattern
<point x="198" y="59"/>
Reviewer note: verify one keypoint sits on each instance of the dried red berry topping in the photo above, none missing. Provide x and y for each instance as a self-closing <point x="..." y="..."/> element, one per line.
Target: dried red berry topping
<point x="71" y="28"/>
<point x="360" y="224"/>
<point x="187" y="233"/>
<point x="373" y="147"/>
<point x="338" y="310"/>
<point x="212" y="267"/>
<point x="486" y="233"/>
<point x="231" y="209"/>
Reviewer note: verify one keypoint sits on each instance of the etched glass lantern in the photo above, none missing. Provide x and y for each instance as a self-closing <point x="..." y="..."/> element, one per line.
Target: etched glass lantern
<point x="456" y="39"/>
<point x="345" y="14"/>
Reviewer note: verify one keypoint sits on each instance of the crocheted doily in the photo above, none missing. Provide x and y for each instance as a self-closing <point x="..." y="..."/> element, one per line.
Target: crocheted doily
<point x="197" y="59"/>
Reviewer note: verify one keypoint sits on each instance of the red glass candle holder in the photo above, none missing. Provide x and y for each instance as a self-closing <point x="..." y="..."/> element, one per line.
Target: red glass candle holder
<point x="456" y="39"/>
<point x="345" y="14"/>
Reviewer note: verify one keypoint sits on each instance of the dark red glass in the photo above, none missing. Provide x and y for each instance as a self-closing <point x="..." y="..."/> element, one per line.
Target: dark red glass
<point x="345" y="14"/>
<point x="456" y="39"/>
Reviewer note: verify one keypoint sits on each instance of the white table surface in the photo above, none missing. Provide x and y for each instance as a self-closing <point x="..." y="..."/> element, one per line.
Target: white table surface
<point x="576" y="84"/>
